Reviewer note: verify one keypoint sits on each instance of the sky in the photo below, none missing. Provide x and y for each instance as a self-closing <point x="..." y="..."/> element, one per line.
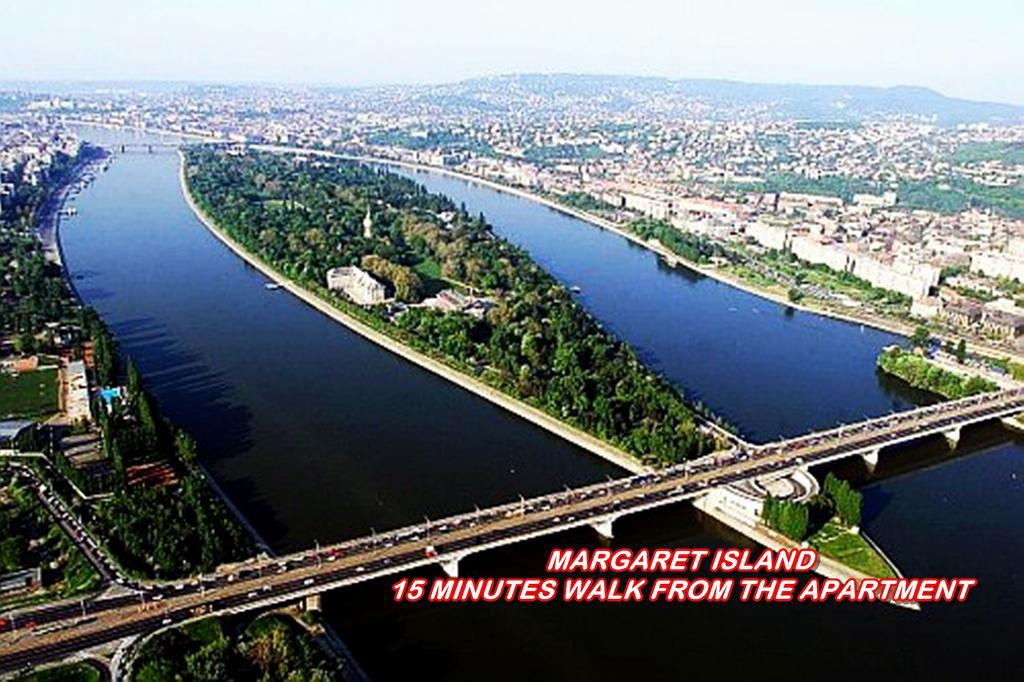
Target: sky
<point x="963" y="49"/>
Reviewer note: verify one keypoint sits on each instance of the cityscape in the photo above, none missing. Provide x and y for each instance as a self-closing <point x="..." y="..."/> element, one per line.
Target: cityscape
<point x="268" y="348"/>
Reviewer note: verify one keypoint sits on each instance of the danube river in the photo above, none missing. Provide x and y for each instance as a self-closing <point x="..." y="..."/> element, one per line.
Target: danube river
<point x="318" y="435"/>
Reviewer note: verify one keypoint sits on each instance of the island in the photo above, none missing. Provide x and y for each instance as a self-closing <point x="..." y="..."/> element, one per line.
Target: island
<point x="427" y="277"/>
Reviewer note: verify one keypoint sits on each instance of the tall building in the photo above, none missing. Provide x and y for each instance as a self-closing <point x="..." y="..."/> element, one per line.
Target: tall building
<point x="368" y="225"/>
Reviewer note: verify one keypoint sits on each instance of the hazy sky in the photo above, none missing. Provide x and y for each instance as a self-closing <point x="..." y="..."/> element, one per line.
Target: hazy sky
<point x="967" y="49"/>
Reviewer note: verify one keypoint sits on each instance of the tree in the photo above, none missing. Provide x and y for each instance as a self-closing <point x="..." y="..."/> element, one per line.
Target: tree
<point x="789" y="518"/>
<point x="846" y="502"/>
<point x="961" y="351"/>
<point x="186" y="448"/>
<point x="795" y="294"/>
<point x="211" y="663"/>
<point x="920" y="337"/>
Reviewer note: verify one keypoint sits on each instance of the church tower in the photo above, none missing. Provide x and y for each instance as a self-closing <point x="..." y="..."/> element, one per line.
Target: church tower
<point x="368" y="225"/>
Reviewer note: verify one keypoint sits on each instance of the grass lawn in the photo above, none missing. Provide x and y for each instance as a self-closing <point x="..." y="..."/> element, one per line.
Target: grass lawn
<point x="29" y="394"/>
<point x="836" y="542"/>
<point x="430" y="273"/>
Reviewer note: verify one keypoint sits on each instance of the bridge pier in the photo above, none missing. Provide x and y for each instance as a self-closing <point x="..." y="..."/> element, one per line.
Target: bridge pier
<point x="451" y="567"/>
<point x="952" y="437"/>
<point x="311" y="603"/>
<point x="1013" y="423"/>
<point x="871" y="459"/>
<point x="604" y="528"/>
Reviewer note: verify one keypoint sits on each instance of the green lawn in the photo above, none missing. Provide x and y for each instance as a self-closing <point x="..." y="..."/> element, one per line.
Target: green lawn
<point x="850" y="549"/>
<point x="430" y="273"/>
<point x="29" y="394"/>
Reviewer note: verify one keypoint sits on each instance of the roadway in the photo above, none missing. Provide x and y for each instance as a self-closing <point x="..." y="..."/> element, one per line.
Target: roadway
<point x="51" y="633"/>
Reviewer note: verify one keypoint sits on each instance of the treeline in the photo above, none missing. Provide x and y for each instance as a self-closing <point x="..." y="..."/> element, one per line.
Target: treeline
<point x="583" y="201"/>
<point x="843" y="500"/>
<point x="269" y="648"/>
<point x="792" y="519"/>
<point x="693" y="247"/>
<point x="799" y="520"/>
<point x="536" y="343"/>
<point x="32" y="291"/>
<point x="919" y="373"/>
<point x="156" y="530"/>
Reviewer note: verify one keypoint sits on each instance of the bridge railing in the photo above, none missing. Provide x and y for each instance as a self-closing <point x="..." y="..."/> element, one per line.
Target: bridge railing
<point x="497" y="512"/>
<point x="940" y="408"/>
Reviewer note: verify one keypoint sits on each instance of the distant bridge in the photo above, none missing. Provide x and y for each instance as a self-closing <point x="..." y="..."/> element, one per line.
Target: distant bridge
<point x="62" y="629"/>
<point x="145" y="147"/>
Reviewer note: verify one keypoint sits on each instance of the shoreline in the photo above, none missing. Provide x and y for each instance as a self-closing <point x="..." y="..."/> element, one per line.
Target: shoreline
<point x="517" y="407"/>
<point x="51" y="239"/>
<point x="827" y="567"/>
<point x="671" y="258"/>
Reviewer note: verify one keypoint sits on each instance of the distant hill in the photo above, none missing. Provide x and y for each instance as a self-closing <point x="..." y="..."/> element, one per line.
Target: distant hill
<point x="723" y="98"/>
<point x="555" y="94"/>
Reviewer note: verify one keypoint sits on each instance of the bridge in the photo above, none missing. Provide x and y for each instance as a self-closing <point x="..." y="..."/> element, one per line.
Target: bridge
<point x="54" y="632"/>
<point x="145" y="147"/>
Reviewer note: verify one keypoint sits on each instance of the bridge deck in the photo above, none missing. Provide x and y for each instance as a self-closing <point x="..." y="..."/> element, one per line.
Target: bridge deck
<point x="273" y="581"/>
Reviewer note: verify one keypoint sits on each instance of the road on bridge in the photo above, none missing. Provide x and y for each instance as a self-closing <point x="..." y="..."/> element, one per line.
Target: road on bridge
<point x="55" y="632"/>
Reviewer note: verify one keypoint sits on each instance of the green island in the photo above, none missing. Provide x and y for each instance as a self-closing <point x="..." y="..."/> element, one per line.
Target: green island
<point x="829" y="523"/>
<point x="270" y="647"/>
<point x="502" y="320"/>
<point x="918" y="372"/>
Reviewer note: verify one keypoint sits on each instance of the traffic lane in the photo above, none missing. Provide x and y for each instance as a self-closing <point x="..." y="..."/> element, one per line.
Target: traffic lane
<point x="630" y="501"/>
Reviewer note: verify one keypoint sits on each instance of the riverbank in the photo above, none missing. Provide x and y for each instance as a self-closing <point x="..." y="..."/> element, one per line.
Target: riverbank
<point x="828" y="568"/>
<point x="905" y="329"/>
<point x="48" y="229"/>
<point x="671" y="257"/>
<point x="517" y="407"/>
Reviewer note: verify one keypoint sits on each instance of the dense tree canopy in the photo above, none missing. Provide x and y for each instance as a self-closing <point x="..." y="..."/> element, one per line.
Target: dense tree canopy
<point x="537" y="343"/>
<point x="920" y="373"/>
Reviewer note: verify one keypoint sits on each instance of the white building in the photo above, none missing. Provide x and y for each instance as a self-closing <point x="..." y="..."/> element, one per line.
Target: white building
<point x="816" y="250"/>
<point x="768" y="235"/>
<point x="78" y="405"/>
<point x="998" y="265"/>
<point x="355" y="283"/>
<point x="913" y="281"/>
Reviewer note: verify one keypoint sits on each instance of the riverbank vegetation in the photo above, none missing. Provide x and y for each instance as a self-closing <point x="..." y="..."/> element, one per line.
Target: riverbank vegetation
<point x="532" y="341"/>
<point x="161" y="518"/>
<point x="272" y="647"/>
<point x="920" y="373"/>
<point x="35" y="302"/>
<point x="787" y="517"/>
<point x="133" y="478"/>
<point x="829" y="522"/>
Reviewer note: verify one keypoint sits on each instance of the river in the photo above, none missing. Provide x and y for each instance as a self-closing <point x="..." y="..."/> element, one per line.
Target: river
<point x="318" y="435"/>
